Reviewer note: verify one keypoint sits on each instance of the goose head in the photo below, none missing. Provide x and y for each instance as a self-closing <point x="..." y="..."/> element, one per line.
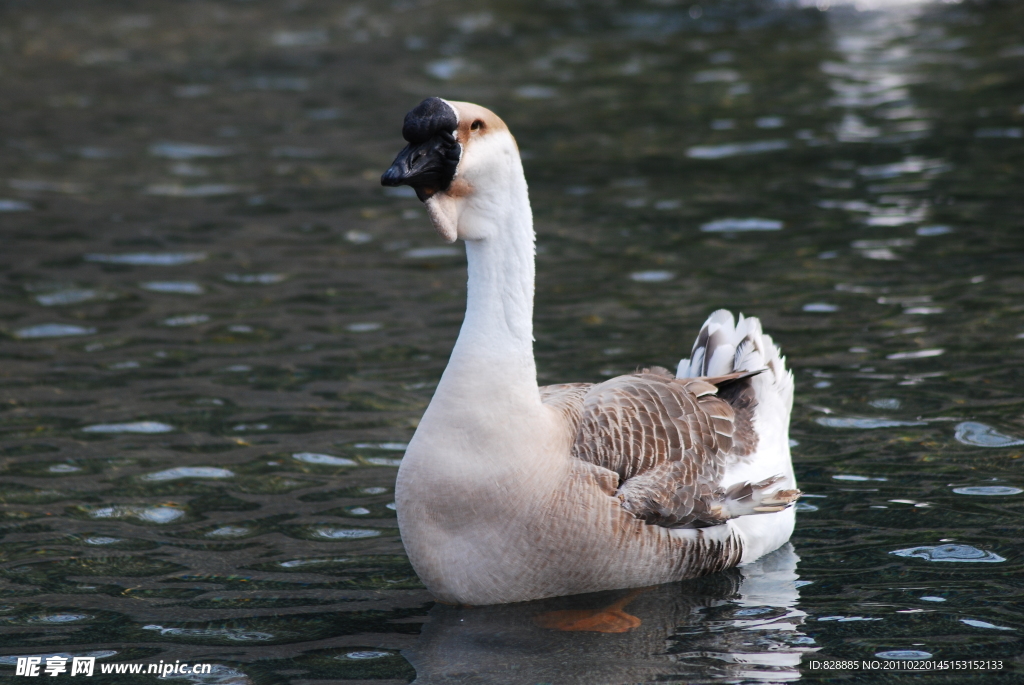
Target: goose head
<point x="461" y="160"/>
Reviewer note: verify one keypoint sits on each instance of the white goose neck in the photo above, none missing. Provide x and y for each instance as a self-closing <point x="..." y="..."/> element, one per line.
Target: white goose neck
<point x="496" y="339"/>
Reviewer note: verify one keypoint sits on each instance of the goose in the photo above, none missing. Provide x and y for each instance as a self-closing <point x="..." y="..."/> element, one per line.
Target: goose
<point x="511" y="492"/>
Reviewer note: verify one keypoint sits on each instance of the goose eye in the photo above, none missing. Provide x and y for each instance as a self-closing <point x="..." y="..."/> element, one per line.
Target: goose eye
<point x="477" y="125"/>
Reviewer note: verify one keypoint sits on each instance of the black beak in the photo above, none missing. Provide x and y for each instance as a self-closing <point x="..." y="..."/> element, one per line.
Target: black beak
<point x="429" y="161"/>
<point x="428" y="166"/>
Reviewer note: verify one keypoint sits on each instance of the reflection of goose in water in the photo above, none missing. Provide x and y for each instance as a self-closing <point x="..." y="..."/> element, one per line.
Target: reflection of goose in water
<point x="510" y="492"/>
<point x="739" y="624"/>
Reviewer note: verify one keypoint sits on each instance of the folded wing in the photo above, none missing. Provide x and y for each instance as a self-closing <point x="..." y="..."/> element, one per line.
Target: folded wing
<point x="670" y="441"/>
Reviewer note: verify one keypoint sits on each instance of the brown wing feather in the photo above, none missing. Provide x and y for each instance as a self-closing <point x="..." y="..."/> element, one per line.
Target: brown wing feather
<point x="669" y="440"/>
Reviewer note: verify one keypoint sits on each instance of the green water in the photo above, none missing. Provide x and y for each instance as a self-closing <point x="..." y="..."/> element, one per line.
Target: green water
<point x="195" y="243"/>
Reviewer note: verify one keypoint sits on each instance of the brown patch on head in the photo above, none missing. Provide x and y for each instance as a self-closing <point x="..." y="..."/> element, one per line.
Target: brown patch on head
<point x="475" y="121"/>
<point x="459" y="187"/>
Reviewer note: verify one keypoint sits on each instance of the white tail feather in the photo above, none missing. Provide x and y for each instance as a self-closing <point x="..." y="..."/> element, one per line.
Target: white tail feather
<point x="723" y="346"/>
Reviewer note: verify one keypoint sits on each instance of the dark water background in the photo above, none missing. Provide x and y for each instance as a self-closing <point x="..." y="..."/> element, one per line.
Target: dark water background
<point x="195" y="244"/>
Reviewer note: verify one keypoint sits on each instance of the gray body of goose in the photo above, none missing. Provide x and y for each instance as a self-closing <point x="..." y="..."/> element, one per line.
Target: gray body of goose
<point x="509" y="491"/>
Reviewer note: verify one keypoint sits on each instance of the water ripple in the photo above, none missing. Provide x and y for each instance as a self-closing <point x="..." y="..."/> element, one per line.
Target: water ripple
<point x="66" y="297"/>
<point x="232" y="634"/>
<point x="735" y="149"/>
<point x="322" y="459"/>
<point x="740" y="225"/>
<point x="652" y="276"/>
<point x="147" y="258"/>
<point x="953" y="553"/>
<point x="188" y="150"/>
<point x="161" y="515"/>
<point x="179" y="472"/>
<point x="175" y="287"/>
<point x="52" y="330"/>
<point x="904" y="654"/>
<point x="14" y="206"/>
<point x="988" y="490"/>
<point x="981" y="435"/>
<point x="329" y="533"/>
<point x="133" y="427"/>
<point x="863" y="423"/>
<point x="974" y="623"/>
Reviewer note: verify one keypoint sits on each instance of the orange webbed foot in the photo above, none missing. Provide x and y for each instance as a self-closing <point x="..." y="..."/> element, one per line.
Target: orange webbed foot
<point x="596" y="621"/>
<point x="611" y="619"/>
